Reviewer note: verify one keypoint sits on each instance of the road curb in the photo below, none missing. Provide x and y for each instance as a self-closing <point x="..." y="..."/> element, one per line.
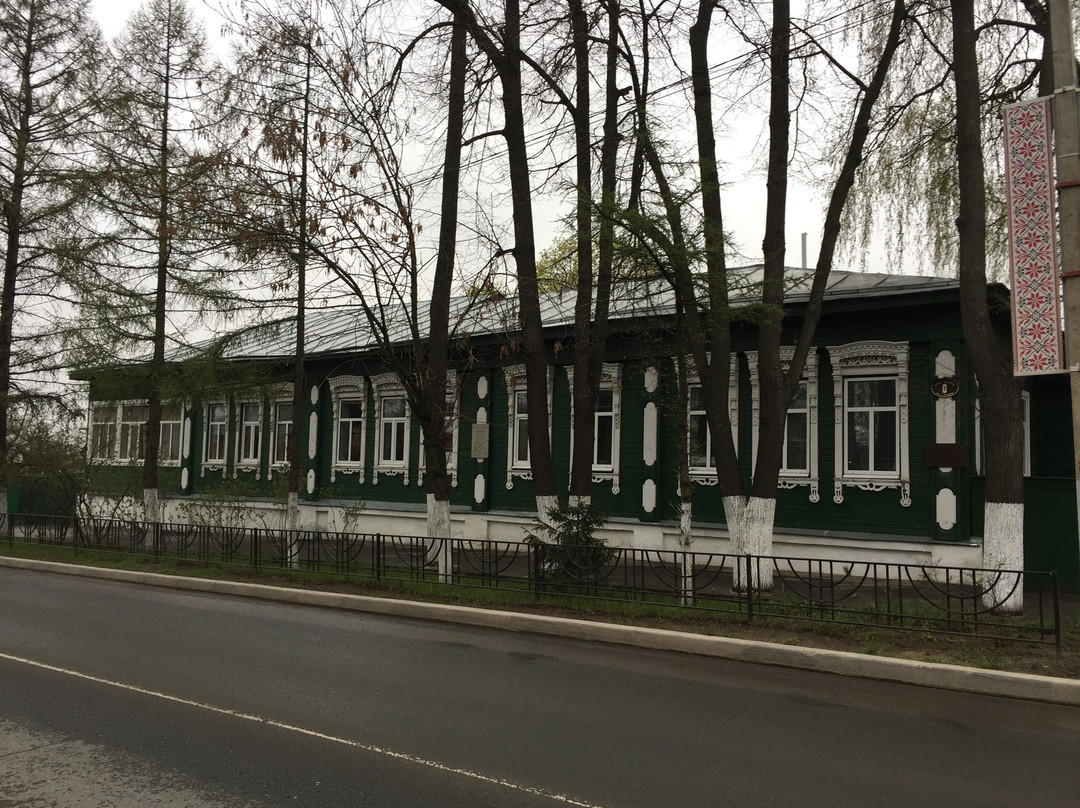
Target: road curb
<point x="927" y="674"/>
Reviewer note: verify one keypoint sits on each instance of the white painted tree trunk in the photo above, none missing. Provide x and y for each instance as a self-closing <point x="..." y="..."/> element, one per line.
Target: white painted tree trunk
<point x="750" y="525"/>
<point x="438" y="530"/>
<point x="544" y="506"/>
<point x="1003" y="549"/>
<point x="686" y="538"/>
<point x="292" y="527"/>
<point x="151" y="514"/>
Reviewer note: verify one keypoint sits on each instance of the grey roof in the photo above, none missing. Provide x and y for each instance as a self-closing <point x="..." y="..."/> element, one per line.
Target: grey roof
<point x="346" y="330"/>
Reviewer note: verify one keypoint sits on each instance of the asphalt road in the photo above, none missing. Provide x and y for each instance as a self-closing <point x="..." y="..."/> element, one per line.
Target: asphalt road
<point x="116" y="694"/>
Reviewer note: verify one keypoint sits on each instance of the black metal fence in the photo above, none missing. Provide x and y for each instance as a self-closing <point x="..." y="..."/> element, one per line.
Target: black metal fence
<point x="903" y="597"/>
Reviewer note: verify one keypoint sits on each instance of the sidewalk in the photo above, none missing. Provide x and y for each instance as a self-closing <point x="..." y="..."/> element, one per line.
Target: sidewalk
<point x="843" y="663"/>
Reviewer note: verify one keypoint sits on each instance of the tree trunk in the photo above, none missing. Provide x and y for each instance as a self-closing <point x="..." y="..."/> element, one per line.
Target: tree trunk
<point x="999" y="390"/>
<point x="433" y="371"/>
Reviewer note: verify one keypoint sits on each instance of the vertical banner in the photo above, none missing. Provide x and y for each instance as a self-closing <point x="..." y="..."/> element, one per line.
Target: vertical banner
<point x="1031" y="201"/>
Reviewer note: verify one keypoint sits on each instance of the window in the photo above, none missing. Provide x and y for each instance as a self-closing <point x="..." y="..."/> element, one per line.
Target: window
<point x="350" y="443"/>
<point x="700" y="446"/>
<point x="796" y="458"/>
<point x="349" y="394"/>
<point x="799" y="457"/>
<point x="451" y="414"/>
<point x="520" y="430"/>
<point x="133" y="431"/>
<point x="283" y="431"/>
<point x="217" y="433"/>
<point x="250" y="419"/>
<point x="606" y="424"/>
<point x="392" y="426"/>
<point x="518" y="460"/>
<point x="172" y="422"/>
<point x="604" y="429"/>
<point x="699" y="443"/>
<point x="870" y="389"/>
<point x="870" y="421"/>
<point x="394" y="414"/>
<point x="103" y="432"/>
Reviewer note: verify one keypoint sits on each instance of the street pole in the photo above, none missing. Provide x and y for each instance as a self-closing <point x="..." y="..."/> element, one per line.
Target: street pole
<point x="1067" y="151"/>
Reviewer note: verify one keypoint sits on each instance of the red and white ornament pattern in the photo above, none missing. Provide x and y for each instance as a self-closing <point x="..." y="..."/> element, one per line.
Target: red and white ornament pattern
<point x="1033" y="254"/>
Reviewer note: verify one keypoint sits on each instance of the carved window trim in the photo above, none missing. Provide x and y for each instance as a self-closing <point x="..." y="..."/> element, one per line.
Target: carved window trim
<point x="871" y="358"/>
<point x="217" y="463"/>
<point x="706" y="475"/>
<point x="383" y="387"/>
<point x="240" y="463"/>
<point x="348" y="388"/>
<point x="453" y="398"/>
<point x="283" y="394"/>
<point x="515" y="379"/>
<point x="610" y="379"/>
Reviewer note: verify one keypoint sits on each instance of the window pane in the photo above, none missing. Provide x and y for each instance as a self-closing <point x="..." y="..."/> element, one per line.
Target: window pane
<point x="699" y="441"/>
<point x="343" y="444"/>
<point x="250" y="412"/>
<point x="352" y="408"/>
<point x="884" y="441"/>
<point x="521" y="454"/>
<point x="798" y="401"/>
<point x="605" y="401"/>
<point x="387" y="440"/>
<point x="604" y="432"/>
<point x="356" y="443"/>
<point x="217" y="413"/>
<point x="136" y="412"/>
<point x="697" y="399"/>
<point x="522" y="402"/>
<point x="399" y="441"/>
<point x="393" y="408"/>
<point x="285" y="411"/>
<point x="858" y="441"/>
<point x="795" y="448"/>
<point x="872" y="393"/>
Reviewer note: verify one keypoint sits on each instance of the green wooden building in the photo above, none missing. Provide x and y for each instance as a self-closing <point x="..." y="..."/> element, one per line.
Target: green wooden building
<point x="882" y="456"/>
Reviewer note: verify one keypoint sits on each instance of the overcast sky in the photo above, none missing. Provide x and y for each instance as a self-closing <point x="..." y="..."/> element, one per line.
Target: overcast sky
<point x="744" y="200"/>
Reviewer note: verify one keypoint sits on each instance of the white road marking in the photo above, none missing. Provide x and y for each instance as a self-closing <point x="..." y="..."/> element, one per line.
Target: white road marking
<point x="378" y="750"/>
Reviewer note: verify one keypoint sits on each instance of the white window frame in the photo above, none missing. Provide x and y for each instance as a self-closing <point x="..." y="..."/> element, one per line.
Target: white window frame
<point x="109" y="444"/>
<point x="792" y="478"/>
<point x="215" y="463"/>
<point x="240" y="462"/>
<point x="128" y="437"/>
<point x="176" y="428"/>
<point x="282" y="395"/>
<point x="348" y="388"/>
<point x="384" y="387"/>
<point x="116" y="438"/>
<point x="706" y="475"/>
<point x="610" y="379"/>
<point x="515" y="378"/>
<point x="453" y="406"/>
<point x="869" y="360"/>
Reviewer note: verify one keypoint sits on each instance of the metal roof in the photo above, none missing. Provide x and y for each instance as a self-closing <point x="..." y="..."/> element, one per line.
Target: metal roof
<point x="340" y="331"/>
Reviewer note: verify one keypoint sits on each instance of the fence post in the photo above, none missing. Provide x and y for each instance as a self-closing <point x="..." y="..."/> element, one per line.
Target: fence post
<point x="379" y="557"/>
<point x="749" y="588"/>
<point x="256" y="551"/>
<point x="1057" y="611"/>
